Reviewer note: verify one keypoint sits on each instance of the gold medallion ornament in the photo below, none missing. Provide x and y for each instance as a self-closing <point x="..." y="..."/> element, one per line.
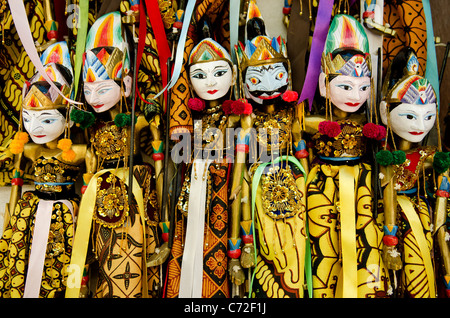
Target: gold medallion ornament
<point x="276" y="127"/>
<point x="281" y="196"/>
<point x="110" y="142"/>
<point x="348" y="143"/>
<point x="111" y="202"/>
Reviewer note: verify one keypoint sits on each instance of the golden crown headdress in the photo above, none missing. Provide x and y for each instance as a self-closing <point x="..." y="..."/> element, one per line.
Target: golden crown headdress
<point x="37" y="93"/>
<point x="261" y="50"/>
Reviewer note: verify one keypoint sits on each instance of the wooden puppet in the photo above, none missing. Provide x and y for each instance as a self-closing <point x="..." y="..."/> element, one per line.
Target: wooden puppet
<point x="198" y="263"/>
<point x="409" y="110"/>
<point x="118" y="216"/>
<point x="268" y="183"/>
<point x="36" y="246"/>
<point x="346" y="241"/>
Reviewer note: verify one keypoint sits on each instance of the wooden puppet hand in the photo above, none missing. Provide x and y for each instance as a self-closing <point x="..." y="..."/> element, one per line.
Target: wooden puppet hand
<point x="392" y="258"/>
<point x="160" y="255"/>
<point x="248" y="256"/>
<point x="235" y="272"/>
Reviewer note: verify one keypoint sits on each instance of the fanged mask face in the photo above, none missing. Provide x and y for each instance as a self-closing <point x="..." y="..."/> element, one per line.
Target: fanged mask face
<point x="266" y="83"/>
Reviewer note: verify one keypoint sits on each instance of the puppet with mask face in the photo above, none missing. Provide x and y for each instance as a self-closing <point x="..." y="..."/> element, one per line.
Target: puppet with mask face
<point x="409" y="110"/>
<point x="347" y="244"/>
<point x="121" y="230"/>
<point x="274" y="208"/>
<point x="198" y="262"/>
<point x="47" y="215"/>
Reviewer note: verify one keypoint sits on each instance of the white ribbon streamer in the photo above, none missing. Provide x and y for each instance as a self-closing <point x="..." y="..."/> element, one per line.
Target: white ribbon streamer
<point x="235" y="7"/>
<point x="41" y="231"/>
<point x="192" y="263"/>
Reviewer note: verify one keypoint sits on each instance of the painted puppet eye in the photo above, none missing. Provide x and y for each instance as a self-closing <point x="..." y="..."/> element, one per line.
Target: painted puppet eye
<point x="48" y="121"/>
<point x="345" y="87"/>
<point x="199" y="75"/>
<point x="254" y="80"/>
<point x="104" y="90"/>
<point x="365" y="88"/>
<point x="220" y="73"/>
<point x="280" y="75"/>
<point x="408" y="116"/>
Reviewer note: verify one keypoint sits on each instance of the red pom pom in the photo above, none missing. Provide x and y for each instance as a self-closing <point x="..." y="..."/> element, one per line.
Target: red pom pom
<point x="381" y="133"/>
<point x="84" y="280"/>
<point x="165" y="237"/>
<point x="373" y="131"/>
<point x="370" y="130"/>
<point x="226" y="106"/>
<point x="196" y="104"/>
<point x="330" y="128"/>
<point x="290" y="96"/>
<point x="241" y="107"/>
<point x="248" y="109"/>
<point x="237" y="107"/>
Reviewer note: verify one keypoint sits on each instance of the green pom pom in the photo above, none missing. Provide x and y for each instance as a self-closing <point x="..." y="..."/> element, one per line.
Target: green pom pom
<point x="88" y="121"/>
<point x="399" y="157"/>
<point x="384" y="157"/>
<point x="83" y="118"/>
<point x="76" y="116"/>
<point x="122" y="120"/>
<point x="441" y="162"/>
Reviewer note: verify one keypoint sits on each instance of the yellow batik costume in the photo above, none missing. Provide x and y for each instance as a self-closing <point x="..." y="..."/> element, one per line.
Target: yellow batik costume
<point x="36" y="246"/>
<point x="346" y="241"/>
<point x="115" y="235"/>
<point x="272" y="180"/>
<point x="407" y="206"/>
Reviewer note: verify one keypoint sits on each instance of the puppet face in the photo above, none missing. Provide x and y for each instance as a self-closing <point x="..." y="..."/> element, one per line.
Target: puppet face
<point x="43" y="125"/>
<point x="410" y="122"/>
<point x="104" y="94"/>
<point x="211" y="80"/>
<point x="348" y="93"/>
<point x="266" y="83"/>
